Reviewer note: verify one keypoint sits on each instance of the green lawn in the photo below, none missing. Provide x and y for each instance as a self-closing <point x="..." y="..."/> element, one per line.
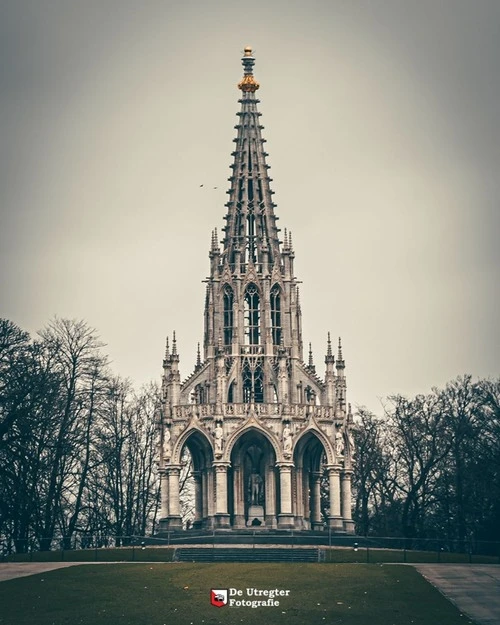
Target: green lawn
<point x="178" y="594"/>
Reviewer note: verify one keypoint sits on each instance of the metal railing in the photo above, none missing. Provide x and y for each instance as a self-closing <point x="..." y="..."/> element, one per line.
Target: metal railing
<point x="337" y="548"/>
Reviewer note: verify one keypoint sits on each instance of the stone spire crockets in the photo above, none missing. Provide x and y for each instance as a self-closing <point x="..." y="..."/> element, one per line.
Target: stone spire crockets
<point x="250" y="231"/>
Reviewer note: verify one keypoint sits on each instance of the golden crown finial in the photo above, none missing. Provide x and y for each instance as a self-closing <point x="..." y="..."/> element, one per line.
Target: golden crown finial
<point x="248" y="84"/>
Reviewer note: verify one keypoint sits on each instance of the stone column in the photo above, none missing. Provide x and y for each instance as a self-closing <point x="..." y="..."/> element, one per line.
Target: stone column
<point x="334" y="518"/>
<point x="163" y="520"/>
<point x="198" y="500"/>
<point x="347" y="501"/>
<point x="164" y="495"/>
<point x="316" y="523"/>
<point x="174" y="520"/>
<point x="285" y="517"/>
<point x="239" y="499"/>
<point x="210" y="497"/>
<point x="299" y="474"/>
<point x="204" y="495"/>
<point x="221" y="513"/>
<point x="270" y="511"/>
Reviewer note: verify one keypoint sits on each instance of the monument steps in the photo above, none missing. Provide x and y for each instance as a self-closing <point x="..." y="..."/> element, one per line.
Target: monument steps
<point x="253" y="554"/>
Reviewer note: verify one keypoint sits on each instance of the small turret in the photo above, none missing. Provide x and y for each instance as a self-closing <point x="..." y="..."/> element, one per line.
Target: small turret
<point x="329" y="373"/>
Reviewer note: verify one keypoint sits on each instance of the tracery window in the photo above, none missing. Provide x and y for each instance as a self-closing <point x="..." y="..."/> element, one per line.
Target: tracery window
<point x="253" y="385"/>
<point x="276" y="314"/>
<point x="252" y="315"/>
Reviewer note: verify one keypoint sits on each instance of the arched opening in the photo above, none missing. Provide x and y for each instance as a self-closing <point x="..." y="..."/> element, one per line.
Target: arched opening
<point x="196" y="482"/>
<point x="252" y="315"/>
<point x="276" y="314"/>
<point x="253" y="482"/>
<point x="228" y="297"/>
<point x="230" y="392"/>
<point x="310" y="481"/>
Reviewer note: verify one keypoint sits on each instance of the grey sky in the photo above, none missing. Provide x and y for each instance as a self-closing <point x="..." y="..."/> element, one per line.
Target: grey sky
<point x="382" y="121"/>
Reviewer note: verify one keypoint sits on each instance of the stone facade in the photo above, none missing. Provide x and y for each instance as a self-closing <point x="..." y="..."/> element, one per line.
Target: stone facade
<point x="264" y="430"/>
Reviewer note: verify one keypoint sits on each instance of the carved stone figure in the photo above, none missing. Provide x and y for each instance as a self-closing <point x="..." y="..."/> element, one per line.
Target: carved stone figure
<point x="167" y="445"/>
<point x="287" y="439"/>
<point x="255" y="488"/>
<point x="219" y="437"/>
<point x="350" y="443"/>
<point x="339" y="443"/>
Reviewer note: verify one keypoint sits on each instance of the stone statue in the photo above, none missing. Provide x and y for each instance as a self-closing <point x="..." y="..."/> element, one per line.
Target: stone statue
<point x="339" y="443"/>
<point x="167" y="445"/>
<point x="219" y="437"/>
<point x="255" y="488"/>
<point x="350" y="443"/>
<point x="287" y="439"/>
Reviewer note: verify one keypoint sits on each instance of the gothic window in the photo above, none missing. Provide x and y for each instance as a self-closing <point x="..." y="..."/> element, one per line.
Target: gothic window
<point x="228" y="314"/>
<point x="276" y="314"/>
<point x="200" y="394"/>
<point x="253" y="384"/>
<point x="230" y="393"/>
<point x="252" y="315"/>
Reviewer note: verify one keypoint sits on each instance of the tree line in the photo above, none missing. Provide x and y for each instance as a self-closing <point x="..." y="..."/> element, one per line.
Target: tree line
<point x="430" y="466"/>
<point x="77" y="443"/>
<point x="78" y="449"/>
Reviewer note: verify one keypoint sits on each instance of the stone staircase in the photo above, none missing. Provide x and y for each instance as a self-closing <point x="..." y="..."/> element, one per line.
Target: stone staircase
<point x="253" y="554"/>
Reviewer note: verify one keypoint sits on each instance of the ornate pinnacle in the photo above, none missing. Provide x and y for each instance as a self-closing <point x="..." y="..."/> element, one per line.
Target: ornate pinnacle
<point x="290" y="244"/>
<point x="248" y="84"/>
<point x="311" y="361"/>
<point x="215" y="247"/>
<point x="339" y="356"/>
<point x="174" y="345"/>
<point x="198" y="357"/>
<point x="329" y="346"/>
<point x="167" y="350"/>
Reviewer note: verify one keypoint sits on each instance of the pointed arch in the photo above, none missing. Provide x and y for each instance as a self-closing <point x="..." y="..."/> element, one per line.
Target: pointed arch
<point x="305" y="437"/>
<point x="275" y="301"/>
<point x="247" y="427"/>
<point x="228" y="315"/>
<point x="199" y="446"/>
<point x="251" y="307"/>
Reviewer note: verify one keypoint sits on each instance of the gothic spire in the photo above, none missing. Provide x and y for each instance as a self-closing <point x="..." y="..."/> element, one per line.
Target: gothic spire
<point x="250" y="220"/>
<point x="340" y="361"/>
<point x="311" y="359"/>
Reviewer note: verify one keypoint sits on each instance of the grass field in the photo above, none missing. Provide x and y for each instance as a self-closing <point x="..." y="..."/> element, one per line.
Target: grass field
<point x="178" y="594"/>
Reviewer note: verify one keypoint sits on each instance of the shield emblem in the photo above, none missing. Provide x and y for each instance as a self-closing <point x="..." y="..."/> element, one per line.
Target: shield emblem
<point x="218" y="598"/>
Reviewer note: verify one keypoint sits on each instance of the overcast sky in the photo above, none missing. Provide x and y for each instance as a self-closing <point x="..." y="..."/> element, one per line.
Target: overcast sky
<point x="383" y="130"/>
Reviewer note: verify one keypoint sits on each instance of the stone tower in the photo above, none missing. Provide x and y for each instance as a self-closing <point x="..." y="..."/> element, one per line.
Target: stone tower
<point x="264" y="430"/>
